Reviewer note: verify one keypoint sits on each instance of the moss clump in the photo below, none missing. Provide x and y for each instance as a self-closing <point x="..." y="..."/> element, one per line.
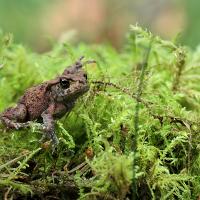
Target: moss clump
<point x="130" y="135"/>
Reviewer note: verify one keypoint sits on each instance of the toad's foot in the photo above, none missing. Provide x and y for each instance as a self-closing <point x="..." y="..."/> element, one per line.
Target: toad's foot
<point x="50" y="135"/>
<point x="14" y="125"/>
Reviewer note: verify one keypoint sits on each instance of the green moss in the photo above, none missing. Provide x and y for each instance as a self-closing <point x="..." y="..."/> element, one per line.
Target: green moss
<point x="95" y="158"/>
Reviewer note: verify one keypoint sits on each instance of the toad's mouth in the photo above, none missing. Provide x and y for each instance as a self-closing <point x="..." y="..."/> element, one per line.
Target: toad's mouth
<point x="70" y="95"/>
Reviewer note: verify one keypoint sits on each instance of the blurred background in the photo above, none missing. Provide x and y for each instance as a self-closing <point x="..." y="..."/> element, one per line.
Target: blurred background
<point x="39" y="24"/>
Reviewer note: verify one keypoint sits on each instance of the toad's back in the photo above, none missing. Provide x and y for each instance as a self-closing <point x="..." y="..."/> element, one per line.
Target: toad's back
<point x="36" y="100"/>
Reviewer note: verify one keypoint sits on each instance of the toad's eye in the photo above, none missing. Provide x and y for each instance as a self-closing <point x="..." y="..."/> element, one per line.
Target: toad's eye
<point x="85" y="75"/>
<point x="64" y="83"/>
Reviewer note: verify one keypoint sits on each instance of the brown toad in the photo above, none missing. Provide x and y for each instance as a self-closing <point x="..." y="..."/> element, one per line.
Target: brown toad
<point x="49" y="100"/>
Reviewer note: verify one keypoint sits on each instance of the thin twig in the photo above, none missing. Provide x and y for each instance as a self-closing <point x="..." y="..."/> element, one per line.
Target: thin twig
<point x="77" y="167"/>
<point x="148" y="105"/>
<point x="124" y="90"/>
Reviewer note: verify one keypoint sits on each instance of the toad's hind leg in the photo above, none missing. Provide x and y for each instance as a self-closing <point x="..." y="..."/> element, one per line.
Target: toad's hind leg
<point x="14" y="117"/>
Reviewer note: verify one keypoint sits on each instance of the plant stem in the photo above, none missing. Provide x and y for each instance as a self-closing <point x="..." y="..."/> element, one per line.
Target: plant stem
<point x="136" y="116"/>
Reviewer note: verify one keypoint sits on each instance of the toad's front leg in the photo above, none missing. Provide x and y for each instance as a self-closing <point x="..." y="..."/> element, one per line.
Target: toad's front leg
<point x="49" y="125"/>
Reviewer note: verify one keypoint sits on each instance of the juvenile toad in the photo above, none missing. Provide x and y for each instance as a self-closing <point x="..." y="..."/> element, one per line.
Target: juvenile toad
<point x="48" y="101"/>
